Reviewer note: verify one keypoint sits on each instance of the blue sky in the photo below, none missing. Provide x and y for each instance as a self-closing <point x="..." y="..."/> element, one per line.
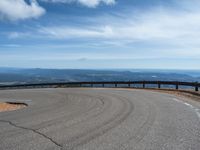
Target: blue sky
<point x="98" y="34"/>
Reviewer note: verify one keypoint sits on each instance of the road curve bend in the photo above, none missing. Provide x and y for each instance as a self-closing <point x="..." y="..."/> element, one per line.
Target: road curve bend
<point x="99" y="119"/>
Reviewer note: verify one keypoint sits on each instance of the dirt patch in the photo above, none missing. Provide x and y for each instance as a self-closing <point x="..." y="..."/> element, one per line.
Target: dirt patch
<point x="10" y="106"/>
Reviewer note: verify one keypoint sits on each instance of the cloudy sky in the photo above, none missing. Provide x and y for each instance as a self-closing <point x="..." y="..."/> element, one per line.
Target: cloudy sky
<point x="98" y="34"/>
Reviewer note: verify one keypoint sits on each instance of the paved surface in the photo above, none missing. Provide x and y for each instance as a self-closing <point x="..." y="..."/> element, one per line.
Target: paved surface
<point x="99" y="119"/>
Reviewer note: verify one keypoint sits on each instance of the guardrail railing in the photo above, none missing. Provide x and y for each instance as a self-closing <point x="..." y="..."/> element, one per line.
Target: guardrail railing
<point x="116" y="84"/>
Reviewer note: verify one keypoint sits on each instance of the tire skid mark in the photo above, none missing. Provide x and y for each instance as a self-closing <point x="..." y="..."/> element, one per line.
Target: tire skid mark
<point x="143" y="130"/>
<point x="92" y="107"/>
<point x="87" y="115"/>
<point x="71" y="116"/>
<point x="101" y="129"/>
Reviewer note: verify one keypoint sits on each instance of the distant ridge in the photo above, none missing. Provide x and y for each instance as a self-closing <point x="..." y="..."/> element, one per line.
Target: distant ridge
<point x="37" y="75"/>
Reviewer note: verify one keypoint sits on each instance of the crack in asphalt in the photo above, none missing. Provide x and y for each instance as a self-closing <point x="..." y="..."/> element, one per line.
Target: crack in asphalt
<point x="35" y="131"/>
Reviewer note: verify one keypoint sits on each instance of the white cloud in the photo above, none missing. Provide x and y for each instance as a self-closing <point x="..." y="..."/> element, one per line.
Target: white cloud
<point x="20" y="10"/>
<point x="160" y="23"/>
<point x="88" y="3"/>
<point x="163" y="25"/>
<point x="63" y="32"/>
<point x="172" y="32"/>
<point x="15" y="35"/>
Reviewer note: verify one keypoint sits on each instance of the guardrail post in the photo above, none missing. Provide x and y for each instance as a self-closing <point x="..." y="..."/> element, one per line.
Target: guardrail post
<point x="143" y="85"/>
<point x="196" y="87"/>
<point x="129" y="85"/>
<point x="176" y="86"/>
<point x="159" y="85"/>
<point x="115" y="85"/>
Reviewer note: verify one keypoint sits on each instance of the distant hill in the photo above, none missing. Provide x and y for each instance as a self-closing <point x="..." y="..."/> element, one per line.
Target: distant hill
<point x="15" y="75"/>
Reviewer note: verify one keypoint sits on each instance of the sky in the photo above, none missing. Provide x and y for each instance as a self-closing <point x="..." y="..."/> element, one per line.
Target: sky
<point x="100" y="34"/>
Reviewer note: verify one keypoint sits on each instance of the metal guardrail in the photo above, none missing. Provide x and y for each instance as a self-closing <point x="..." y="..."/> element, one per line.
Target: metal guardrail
<point x="177" y="84"/>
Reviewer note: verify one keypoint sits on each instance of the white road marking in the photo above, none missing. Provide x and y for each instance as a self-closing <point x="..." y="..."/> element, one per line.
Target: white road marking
<point x="187" y="104"/>
<point x="21" y="100"/>
<point x="197" y="111"/>
<point x="27" y="100"/>
<point x="175" y="99"/>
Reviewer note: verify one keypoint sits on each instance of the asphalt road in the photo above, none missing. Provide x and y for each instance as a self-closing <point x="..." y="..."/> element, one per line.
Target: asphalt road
<point x="99" y="119"/>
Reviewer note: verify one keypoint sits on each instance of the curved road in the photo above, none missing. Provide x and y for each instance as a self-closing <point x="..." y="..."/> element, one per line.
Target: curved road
<point x="99" y="119"/>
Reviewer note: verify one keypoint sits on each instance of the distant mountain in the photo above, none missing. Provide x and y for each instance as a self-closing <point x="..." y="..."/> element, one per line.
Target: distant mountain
<point x="15" y="75"/>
